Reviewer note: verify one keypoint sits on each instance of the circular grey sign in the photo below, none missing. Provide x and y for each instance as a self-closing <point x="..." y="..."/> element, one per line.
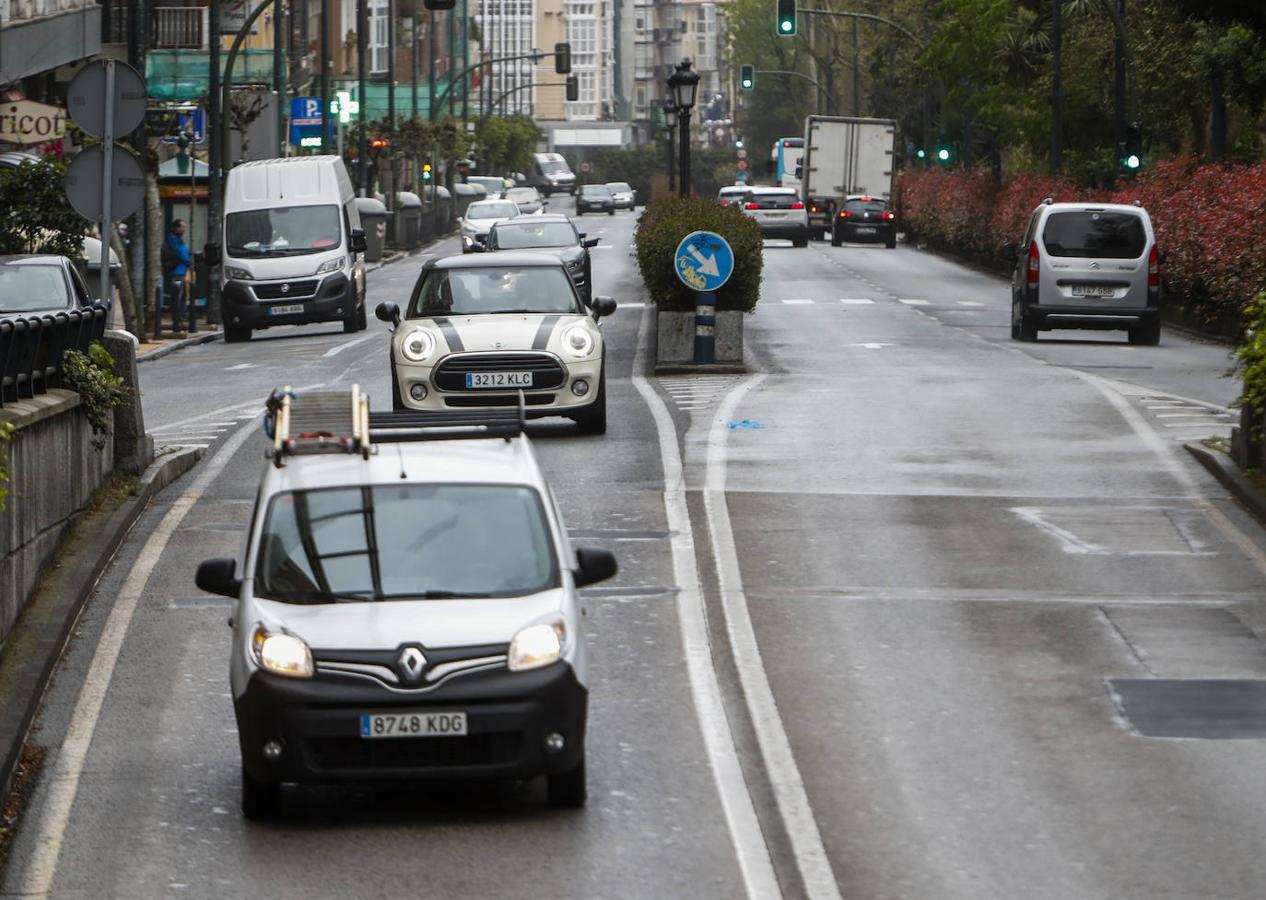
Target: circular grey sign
<point x="84" y="181"/>
<point x="86" y="100"/>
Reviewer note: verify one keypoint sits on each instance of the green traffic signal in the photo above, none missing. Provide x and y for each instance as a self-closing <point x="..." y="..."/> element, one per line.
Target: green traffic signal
<point x="747" y="77"/>
<point x="786" y="18"/>
<point x="1133" y="162"/>
<point x="921" y="153"/>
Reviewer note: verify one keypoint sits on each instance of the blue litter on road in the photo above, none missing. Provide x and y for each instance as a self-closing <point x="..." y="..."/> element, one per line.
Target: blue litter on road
<point x="744" y="423"/>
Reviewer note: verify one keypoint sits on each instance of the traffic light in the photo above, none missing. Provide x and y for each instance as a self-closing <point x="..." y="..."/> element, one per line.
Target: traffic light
<point x="378" y="143"/>
<point x="573" y="89"/>
<point x="562" y="59"/>
<point x="747" y="77"/>
<point x="1132" y="150"/>
<point x="426" y="171"/>
<point x="440" y="4"/>
<point x="786" y="25"/>
<point x="945" y="153"/>
<point x="921" y="155"/>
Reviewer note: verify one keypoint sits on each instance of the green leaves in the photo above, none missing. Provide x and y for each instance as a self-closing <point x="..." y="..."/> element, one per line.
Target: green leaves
<point x="35" y="216"/>
<point x="93" y="378"/>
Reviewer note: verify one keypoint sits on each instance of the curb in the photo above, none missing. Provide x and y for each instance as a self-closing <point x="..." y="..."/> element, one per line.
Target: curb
<point x="36" y="642"/>
<point x="160" y="352"/>
<point x="701" y="369"/>
<point x="1223" y="468"/>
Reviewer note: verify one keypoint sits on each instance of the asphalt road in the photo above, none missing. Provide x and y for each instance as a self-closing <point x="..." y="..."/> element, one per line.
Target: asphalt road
<point x="895" y="613"/>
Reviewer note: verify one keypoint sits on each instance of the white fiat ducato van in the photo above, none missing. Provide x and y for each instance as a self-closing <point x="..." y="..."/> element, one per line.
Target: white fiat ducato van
<point x="292" y="246"/>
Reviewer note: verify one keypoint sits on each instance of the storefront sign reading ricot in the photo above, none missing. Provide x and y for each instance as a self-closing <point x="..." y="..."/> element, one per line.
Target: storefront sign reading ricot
<point x="28" y="122"/>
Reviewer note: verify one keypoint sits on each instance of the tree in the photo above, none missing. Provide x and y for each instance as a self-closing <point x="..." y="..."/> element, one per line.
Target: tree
<point x="36" y="216"/>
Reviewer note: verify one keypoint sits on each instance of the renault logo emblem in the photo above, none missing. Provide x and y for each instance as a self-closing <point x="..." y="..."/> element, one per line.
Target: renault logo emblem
<point x="411" y="663"/>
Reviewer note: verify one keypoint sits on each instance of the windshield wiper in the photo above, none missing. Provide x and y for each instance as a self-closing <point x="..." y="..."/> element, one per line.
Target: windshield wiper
<point x="322" y="596"/>
<point x="452" y="595"/>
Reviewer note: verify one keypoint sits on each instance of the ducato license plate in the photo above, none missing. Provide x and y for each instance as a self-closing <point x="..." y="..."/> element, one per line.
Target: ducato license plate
<point x="1092" y="290"/>
<point x="865" y="229"/>
<point x="429" y="724"/>
<point x="285" y="310"/>
<point x="498" y="379"/>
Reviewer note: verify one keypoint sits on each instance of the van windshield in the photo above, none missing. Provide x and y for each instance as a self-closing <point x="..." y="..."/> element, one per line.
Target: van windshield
<point x="405" y="542"/>
<point x="283" y="231"/>
<point x="557" y="167"/>
<point x="1092" y="234"/>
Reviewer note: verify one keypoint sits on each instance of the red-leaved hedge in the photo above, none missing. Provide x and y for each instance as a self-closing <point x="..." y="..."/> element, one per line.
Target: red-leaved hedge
<point x="1208" y="219"/>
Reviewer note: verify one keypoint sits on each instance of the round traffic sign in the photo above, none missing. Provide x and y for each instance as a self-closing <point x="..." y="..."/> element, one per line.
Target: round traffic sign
<point x="742" y="165"/>
<point x="586" y="167"/>
<point x="704" y="261"/>
<point x="86" y="99"/>
<point x="83" y="184"/>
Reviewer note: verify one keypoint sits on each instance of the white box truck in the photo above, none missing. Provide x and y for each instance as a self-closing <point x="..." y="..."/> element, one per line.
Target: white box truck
<point x="844" y="156"/>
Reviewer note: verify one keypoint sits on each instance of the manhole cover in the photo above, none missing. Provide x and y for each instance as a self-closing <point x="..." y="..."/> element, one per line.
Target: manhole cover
<point x="1210" y="709"/>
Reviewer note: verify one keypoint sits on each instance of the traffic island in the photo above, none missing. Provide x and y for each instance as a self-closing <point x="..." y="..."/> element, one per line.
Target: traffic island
<point x="675" y="343"/>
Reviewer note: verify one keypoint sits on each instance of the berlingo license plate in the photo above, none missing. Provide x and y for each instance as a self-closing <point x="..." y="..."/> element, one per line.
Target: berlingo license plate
<point x="422" y="724"/>
<point x="1093" y="290"/>
<point x="498" y="379"/>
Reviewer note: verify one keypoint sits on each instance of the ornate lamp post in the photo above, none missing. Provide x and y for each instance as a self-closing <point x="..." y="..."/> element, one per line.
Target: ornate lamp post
<point x="670" y="122"/>
<point x="683" y="84"/>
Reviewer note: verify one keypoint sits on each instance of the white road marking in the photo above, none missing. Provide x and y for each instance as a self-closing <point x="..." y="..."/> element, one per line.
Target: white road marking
<point x="335" y="351"/>
<point x="736" y="802"/>
<point x="870" y="346"/>
<point x="240" y="366"/>
<point x="857" y="301"/>
<point x="969" y="303"/>
<point x="909" y="302"/>
<point x="775" y="747"/>
<point x="1200" y="415"/>
<point x="799" y="301"/>
<point x="63" y="780"/>
<point x="630" y="306"/>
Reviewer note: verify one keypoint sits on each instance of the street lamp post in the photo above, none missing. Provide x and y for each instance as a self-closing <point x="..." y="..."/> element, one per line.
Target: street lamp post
<point x="683" y="83"/>
<point x="670" y="111"/>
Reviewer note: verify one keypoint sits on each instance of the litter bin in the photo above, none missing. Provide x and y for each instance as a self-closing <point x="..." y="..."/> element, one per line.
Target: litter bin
<point x="408" y="220"/>
<point x="444" y="216"/>
<point x="468" y="194"/>
<point x="373" y="219"/>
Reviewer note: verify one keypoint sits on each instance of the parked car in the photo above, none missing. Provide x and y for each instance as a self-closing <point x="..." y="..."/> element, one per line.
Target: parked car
<point x="594" y="198"/>
<point x="554" y="233"/>
<point x="495" y="186"/>
<point x="733" y="195"/>
<point x="779" y="213"/>
<point x="1086" y="265"/>
<point x="34" y="284"/>
<point x="623" y="194"/>
<point x="479" y="217"/>
<point x="405" y="615"/>
<point x="478" y="330"/>
<point x="527" y="199"/>
<point x="864" y="219"/>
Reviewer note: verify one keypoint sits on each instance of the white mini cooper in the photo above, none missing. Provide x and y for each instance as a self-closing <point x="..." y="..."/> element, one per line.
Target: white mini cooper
<point x="479" y="329"/>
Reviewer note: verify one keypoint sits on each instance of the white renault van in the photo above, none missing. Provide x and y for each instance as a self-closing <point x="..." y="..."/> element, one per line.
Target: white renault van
<point x="551" y="174"/>
<point x="292" y="246"/>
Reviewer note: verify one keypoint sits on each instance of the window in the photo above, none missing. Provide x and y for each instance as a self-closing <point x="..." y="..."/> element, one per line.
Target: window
<point x="1094" y="234"/>
<point x="379" y="36"/>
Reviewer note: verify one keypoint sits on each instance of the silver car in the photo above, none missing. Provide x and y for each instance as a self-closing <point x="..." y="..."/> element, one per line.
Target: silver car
<point x="780" y="214"/>
<point x="623" y="194"/>
<point x="480" y="216"/>
<point x="1087" y="265"/>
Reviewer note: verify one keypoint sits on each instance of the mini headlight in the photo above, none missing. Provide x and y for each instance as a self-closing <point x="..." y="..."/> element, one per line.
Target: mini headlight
<point x="233" y="273"/>
<point x="417" y="346"/>
<point x="331" y="265"/>
<point x="281" y="654"/>
<point x="578" y="342"/>
<point x="537" y="645"/>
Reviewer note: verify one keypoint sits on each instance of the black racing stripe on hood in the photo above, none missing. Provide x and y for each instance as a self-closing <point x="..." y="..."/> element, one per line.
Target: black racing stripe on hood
<point x="543" y="333"/>
<point x="451" y="337"/>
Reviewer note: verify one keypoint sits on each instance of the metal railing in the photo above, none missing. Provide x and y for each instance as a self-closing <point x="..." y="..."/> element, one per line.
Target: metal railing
<point x="32" y="348"/>
<point x="180" y="27"/>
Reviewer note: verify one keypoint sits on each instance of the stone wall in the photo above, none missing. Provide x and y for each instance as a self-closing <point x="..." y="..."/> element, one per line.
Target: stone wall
<point x="54" y="472"/>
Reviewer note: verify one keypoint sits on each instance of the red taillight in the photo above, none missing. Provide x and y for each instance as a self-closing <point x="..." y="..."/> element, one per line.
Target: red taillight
<point x="844" y="214"/>
<point x="814" y="209"/>
<point x="1153" y="269"/>
<point x="889" y="215"/>
<point x="797" y="205"/>
<point x="751" y="206"/>
<point x="1034" y="262"/>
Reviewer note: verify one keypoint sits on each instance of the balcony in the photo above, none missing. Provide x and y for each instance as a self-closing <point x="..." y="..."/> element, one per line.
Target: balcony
<point x="181" y="27"/>
<point x="41" y="35"/>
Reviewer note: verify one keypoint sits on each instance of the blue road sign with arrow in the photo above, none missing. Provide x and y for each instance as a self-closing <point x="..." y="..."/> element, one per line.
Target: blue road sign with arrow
<point x="704" y="261"/>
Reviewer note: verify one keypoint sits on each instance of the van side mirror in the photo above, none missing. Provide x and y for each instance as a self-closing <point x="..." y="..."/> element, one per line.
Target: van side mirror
<point x="218" y="576"/>
<point x="388" y="312"/>
<point x="211" y="253"/>
<point x="590" y="242"/>
<point x="594" y="565"/>
<point x="603" y="306"/>
<point x="359" y="243"/>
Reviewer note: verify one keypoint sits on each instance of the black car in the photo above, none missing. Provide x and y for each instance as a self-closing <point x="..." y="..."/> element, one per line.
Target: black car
<point x="864" y="219"/>
<point x="595" y="198"/>
<point x="554" y="233"/>
<point x="31" y="284"/>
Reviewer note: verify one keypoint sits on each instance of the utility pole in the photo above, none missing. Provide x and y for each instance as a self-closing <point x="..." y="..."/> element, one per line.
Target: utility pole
<point x="325" y="70"/>
<point x="451" y="19"/>
<point x="390" y="193"/>
<point x="362" y="78"/>
<point x="215" y="159"/>
<point x="430" y="36"/>
<point x="279" y="74"/>
<point x="1118" y="129"/>
<point x="1057" y="93"/>
<point x="465" y="35"/>
<point x="413" y="59"/>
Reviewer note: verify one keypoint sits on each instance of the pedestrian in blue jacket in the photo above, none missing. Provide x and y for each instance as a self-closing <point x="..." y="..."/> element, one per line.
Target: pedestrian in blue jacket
<point x="176" y="262"/>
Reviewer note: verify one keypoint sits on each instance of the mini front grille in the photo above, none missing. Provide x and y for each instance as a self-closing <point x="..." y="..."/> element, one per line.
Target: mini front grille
<point x="349" y="753"/>
<point x="286" y="290"/>
<point x="547" y="372"/>
<point x="470" y="401"/>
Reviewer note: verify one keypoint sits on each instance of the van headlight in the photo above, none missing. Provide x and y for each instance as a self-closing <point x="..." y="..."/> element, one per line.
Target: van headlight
<point x="281" y="654"/>
<point x="332" y="265"/>
<point x="578" y="342"/>
<point x="233" y="273"/>
<point x="417" y="346"/>
<point x="537" y="645"/>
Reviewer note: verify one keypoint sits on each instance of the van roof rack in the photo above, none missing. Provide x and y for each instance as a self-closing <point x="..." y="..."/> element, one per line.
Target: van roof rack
<point x="339" y="421"/>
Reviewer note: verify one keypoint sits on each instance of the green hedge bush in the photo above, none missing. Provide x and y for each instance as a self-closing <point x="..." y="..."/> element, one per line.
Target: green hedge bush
<point x="666" y="222"/>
